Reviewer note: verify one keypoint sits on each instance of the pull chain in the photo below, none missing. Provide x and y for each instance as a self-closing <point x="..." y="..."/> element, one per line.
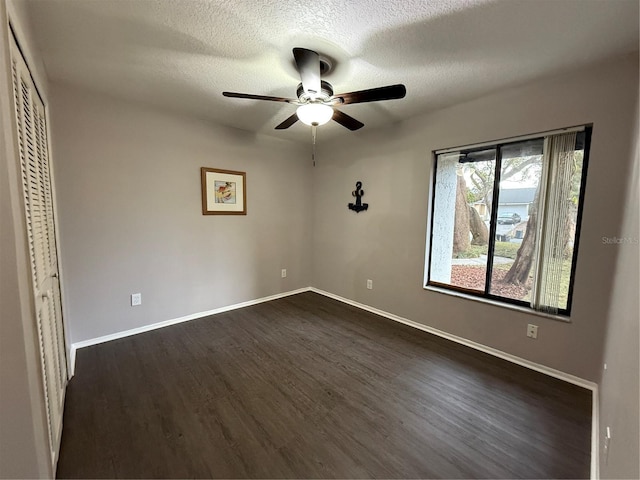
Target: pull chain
<point x="313" y="144"/>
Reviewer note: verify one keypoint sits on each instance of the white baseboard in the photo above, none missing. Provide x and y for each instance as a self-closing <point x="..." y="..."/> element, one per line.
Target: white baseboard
<point x="595" y="474"/>
<point x="595" y="435"/>
<point x="463" y="341"/>
<point x="454" y="338"/>
<point x="71" y="367"/>
<point x="154" y="326"/>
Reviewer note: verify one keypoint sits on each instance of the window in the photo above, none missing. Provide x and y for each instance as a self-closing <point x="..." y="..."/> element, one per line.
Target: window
<point x="505" y="219"/>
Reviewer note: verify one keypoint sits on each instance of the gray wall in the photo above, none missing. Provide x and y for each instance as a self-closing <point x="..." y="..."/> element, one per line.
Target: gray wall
<point x="387" y="243"/>
<point x="128" y="191"/>
<point x="619" y="403"/>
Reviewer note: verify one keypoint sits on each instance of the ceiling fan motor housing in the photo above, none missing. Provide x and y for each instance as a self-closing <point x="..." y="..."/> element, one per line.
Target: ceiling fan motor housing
<point x="326" y="92"/>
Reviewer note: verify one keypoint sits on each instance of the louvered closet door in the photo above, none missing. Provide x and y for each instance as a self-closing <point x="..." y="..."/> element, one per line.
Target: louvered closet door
<point x="38" y="200"/>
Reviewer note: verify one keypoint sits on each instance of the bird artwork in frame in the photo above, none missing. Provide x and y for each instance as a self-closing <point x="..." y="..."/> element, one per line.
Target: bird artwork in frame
<point x="223" y="192"/>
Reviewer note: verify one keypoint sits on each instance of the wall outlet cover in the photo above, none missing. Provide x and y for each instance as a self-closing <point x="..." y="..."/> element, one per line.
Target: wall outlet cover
<point x="136" y="299"/>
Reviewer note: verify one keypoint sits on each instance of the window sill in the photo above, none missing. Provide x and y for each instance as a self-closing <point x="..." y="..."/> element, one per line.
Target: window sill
<point x="497" y="303"/>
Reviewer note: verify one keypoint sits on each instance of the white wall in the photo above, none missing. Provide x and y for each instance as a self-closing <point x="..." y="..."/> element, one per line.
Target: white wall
<point x="619" y="402"/>
<point x="129" y="199"/>
<point x="387" y="243"/>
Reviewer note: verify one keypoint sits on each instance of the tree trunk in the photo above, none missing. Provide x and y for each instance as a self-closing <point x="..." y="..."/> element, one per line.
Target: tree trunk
<point x="479" y="230"/>
<point x="569" y="235"/>
<point x="488" y="201"/>
<point x="519" y="271"/>
<point x="461" y="241"/>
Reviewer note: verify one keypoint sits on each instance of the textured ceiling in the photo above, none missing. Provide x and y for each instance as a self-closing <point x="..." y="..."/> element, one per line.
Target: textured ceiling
<point x="181" y="54"/>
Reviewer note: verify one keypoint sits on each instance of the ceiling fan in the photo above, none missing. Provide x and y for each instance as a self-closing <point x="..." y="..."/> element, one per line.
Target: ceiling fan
<point x="316" y="101"/>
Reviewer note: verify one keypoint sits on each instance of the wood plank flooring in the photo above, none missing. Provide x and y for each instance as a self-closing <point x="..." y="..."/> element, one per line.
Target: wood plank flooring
<point x="307" y="387"/>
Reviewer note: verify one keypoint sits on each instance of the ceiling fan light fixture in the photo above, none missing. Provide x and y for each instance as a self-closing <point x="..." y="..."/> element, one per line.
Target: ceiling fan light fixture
<point x="314" y="113"/>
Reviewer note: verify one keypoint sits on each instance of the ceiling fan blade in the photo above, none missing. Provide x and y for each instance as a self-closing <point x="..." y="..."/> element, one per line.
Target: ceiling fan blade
<point x="390" y="92"/>
<point x="346" y="121"/>
<point x="308" y="65"/>
<point x="258" y="97"/>
<point x="288" y="122"/>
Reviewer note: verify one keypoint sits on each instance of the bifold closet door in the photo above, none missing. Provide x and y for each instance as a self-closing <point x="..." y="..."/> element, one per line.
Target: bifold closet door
<point x="38" y="201"/>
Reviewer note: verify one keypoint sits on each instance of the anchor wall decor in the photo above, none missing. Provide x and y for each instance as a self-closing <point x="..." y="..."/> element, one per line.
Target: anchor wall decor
<point x="358" y="193"/>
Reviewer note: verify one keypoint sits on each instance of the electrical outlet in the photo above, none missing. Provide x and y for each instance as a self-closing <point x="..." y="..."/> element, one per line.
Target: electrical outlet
<point x="369" y="284"/>
<point x="532" y="331"/>
<point x="284" y="273"/>
<point x="607" y="445"/>
<point x="136" y="299"/>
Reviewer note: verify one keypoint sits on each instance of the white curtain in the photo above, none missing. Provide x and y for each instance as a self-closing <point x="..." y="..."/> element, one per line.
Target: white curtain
<point x="559" y="159"/>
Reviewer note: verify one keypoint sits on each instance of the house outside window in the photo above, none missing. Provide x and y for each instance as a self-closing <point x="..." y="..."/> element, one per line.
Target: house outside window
<point x="505" y="219"/>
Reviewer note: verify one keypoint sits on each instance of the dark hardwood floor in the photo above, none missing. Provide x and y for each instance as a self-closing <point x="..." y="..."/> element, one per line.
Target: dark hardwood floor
<point x="308" y="387"/>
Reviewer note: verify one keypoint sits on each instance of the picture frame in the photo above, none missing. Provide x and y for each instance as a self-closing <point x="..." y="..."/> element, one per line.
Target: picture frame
<point x="224" y="192"/>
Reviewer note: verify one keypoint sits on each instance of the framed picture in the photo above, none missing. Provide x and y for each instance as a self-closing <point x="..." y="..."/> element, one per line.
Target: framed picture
<point x="224" y="192"/>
